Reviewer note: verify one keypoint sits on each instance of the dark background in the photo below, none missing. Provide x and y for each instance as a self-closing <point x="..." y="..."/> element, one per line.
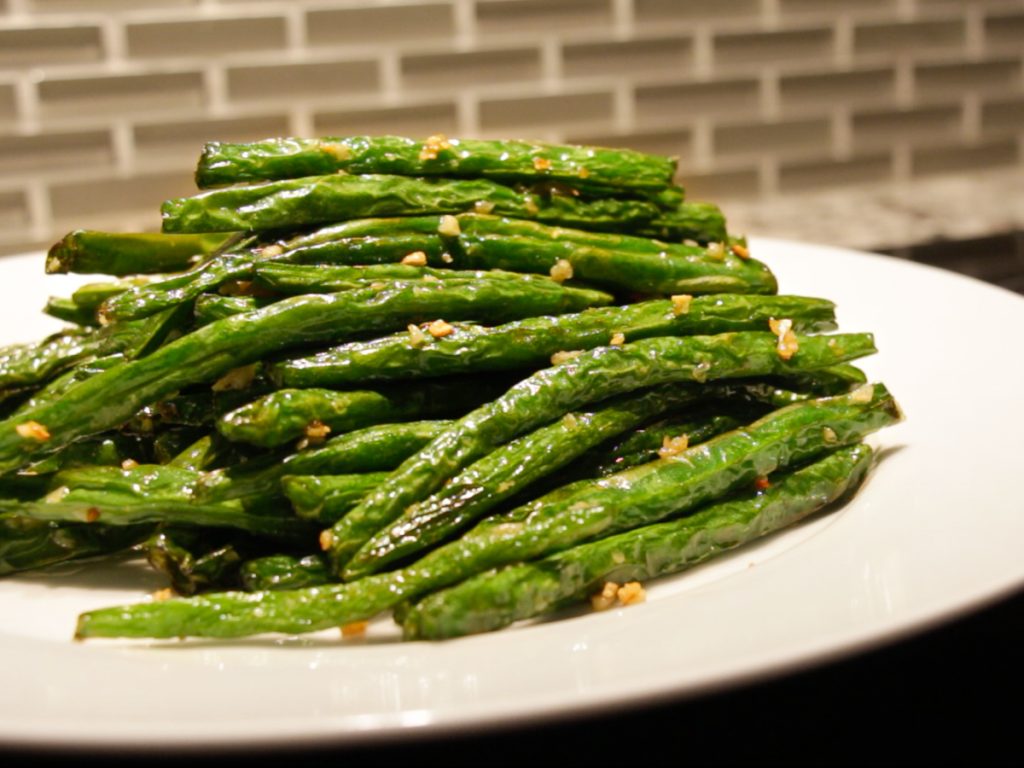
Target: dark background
<point x="949" y="696"/>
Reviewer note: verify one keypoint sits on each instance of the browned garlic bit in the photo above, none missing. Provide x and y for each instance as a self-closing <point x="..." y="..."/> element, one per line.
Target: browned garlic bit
<point x="236" y="378"/>
<point x="631" y="593"/>
<point x="129" y="464"/>
<point x="92" y="514"/>
<point x="449" y="226"/>
<point x="33" y="430"/>
<point x="606" y="598"/>
<point x="740" y="250"/>
<point x="355" y="629"/>
<point x="670" y="446"/>
<point x="416" y="336"/>
<point x="542" y="164"/>
<point x="681" y="303"/>
<point x="316" y="432"/>
<point x="583" y="172"/>
<point x="618" y="339"/>
<point x="783" y="328"/>
<point x="433" y="145"/>
<point x="439" y="328"/>
<point x="562" y="271"/>
<point x="415" y="259"/>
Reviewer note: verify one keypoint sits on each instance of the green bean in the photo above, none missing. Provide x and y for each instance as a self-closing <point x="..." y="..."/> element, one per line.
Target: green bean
<point x="552" y="392"/>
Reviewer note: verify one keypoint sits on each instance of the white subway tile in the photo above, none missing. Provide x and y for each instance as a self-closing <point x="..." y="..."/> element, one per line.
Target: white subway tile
<point x="60" y="152"/>
<point x="204" y="37"/>
<point x="42" y="46"/>
<point x="542" y="17"/>
<point x="801" y="175"/>
<point x="874" y="129"/>
<point x="1003" y="116"/>
<point x="452" y="71"/>
<point x="417" y="120"/>
<point x="284" y="82"/>
<point x="380" y="24"/>
<point x="663" y="56"/>
<point x="564" y="110"/>
<point x="755" y="50"/>
<point x="60" y="98"/>
<point x="931" y="161"/>
<point x="689" y="100"/>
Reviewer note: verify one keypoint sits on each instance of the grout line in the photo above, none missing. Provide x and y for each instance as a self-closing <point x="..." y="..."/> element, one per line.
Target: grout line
<point x="123" y="144"/>
<point x="466" y="32"/>
<point x="623" y="18"/>
<point x="971" y="118"/>
<point x="39" y="209"/>
<point x="842" y="133"/>
<point x="26" y="103"/>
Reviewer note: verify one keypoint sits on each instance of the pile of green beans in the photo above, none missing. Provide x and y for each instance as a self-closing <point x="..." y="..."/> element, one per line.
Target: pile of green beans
<point x="469" y="382"/>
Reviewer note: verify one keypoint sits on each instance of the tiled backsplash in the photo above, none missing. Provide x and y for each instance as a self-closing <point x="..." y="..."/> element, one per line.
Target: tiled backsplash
<point x="104" y="104"/>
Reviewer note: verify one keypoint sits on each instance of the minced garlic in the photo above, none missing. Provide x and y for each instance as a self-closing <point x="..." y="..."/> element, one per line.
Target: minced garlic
<point x="716" y="251"/>
<point x="416" y="337"/>
<point x="562" y="271"/>
<point x="236" y="378"/>
<point x="433" y="145"/>
<point x="335" y="150"/>
<point x="483" y="206"/>
<point x="631" y="593"/>
<point x="33" y="430"/>
<point x="829" y="435"/>
<point x="681" y="303"/>
<point x="618" y="339"/>
<point x="415" y="259"/>
<point x="670" y="446"/>
<point x="783" y="329"/>
<point x="863" y="394"/>
<point x="128" y="464"/>
<point x="570" y="421"/>
<point x="354" y="629"/>
<point x="542" y="164"/>
<point x="440" y="328"/>
<point x="449" y="226"/>
<point x="316" y="432"/>
<point x="269" y="251"/>
<point x="163" y="594"/>
<point x="447" y="258"/>
<point x="606" y="598"/>
<point x="740" y="250"/>
<point x="565" y="356"/>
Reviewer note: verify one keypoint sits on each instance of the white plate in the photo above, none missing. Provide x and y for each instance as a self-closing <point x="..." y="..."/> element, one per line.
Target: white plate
<point x="936" y="531"/>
